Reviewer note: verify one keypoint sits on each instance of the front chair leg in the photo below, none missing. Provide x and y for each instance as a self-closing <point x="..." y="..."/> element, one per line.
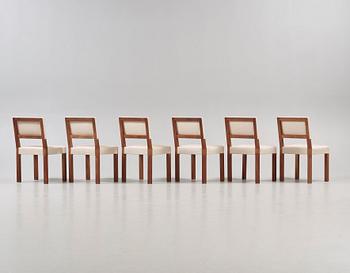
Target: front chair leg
<point x="274" y="167"/>
<point x="141" y="167"/>
<point x="36" y="167"/>
<point x="64" y="167"/>
<point x="87" y="167"/>
<point x="244" y="167"/>
<point x="204" y="169"/>
<point x="19" y="167"/>
<point x="257" y="168"/>
<point x="326" y="167"/>
<point x="149" y="169"/>
<point x="115" y="167"/>
<point x="168" y="167"/>
<point x="222" y="168"/>
<point x="193" y="167"/>
<point x="297" y="166"/>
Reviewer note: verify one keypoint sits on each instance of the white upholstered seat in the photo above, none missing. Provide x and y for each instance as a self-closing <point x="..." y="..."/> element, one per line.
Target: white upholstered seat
<point x="38" y="150"/>
<point x="197" y="149"/>
<point x="90" y="150"/>
<point x="302" y="149"/>
<point x="142" y="149"/>
<point x="250" y="149"/>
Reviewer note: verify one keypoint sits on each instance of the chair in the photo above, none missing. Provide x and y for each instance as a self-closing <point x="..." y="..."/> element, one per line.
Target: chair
<point x="298" y="128"/>
<point x="192" y="128"/>
<point x="85" y="128"/>
<point x="33" y="128"/>
<point x="245" y="128"/>
<point x="137" y="128"/>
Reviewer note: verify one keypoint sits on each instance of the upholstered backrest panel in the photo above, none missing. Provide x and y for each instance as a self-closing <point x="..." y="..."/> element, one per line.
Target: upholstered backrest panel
<point x="242" y="128"/>
<point x="29" y="128"/>
<point x="191" y="128"/>
<point x="137" y="128"/>
<point x="82" y="128"/>
<point x="294" y="128"/>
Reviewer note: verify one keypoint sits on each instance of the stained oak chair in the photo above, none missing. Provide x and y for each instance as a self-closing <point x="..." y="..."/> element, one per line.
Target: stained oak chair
<point x="137" y="128"/>
<point x="85" y="128"/>
<point x="298" y="128"/>
<point x="192" y="128"/>
<point x="246" y="128"/>
<point x="33" y="128"/>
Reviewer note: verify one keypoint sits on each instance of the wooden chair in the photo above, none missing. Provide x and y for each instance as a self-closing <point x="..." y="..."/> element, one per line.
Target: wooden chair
<point x="245" y="128"/>
<point x="33" y="128"/>
<point x="85" y="128"/>
<point x="137" y="128"/>
<point x="298" y="128"/>
<point x="192" y="128"/>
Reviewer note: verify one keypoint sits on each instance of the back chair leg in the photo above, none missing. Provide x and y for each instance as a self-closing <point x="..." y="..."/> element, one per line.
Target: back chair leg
<point x="19" y="167"/>
<point x="193" y="167"/>
<point x="281" y="167"/>
<point x="46" y="168"/>
<point x="115" y="167"/>
<point x="149" y="169"/>
<point x="36" y="167"/>
<point x="97" y="169"/>
<point x="297" y="166"/>
<point x="64" y="167"/>
<point x="222" y="168"/>
<point x="71" y="168"/>
<point x="168" y="167"/>
<point x="309" y="168"/>
<point x="274" y="167"/>
<point x="204" y="169"/>
<point x="87" y="167"/>
<point x="326" y="167"/>
<point x="141" y="167"/>
<point x="177" y="167"/>
<point x="229" y="167"/>
<point x="123" y="168"/>
<point x="257" y="169"/>
<point x="244" y="167"/>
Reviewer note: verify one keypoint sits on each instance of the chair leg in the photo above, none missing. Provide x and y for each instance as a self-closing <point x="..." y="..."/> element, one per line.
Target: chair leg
<point x="36" y="167"/>
<point x="123" y="168"/>
<point x="87" y="167"/>
<point x="309" y="168"/>
<point x="274" y="167"/>
<point x="204" y="169"/>
<point x="71" y="168"/>
<point x="222" y="168"/>
<point x="244" y="167"/>
<point x="140" y="167"/>
<point x="115" y="168"/>
<point x="149" y="169"/>
<point x="168" y="167"/>
<point x="326" y="167"/>
<point x="64" y="167"/>
<point x="297" y="166"/>
<point x="97" y="169"/>
<point x="19" y="167"/>
<point x="281" y="167"/>
<point x="177" y="167"/>
<point x="229" y="167"/>
<point x="46" y="168"/>
<point x="193" y="167"/>
<point x="257" y="169"/>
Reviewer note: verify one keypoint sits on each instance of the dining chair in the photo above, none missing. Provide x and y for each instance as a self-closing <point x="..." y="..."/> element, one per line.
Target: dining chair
<point x="33" y="129"/>
<point x="137" y="128"/>
<point x="85" y="128"/>
<point x="192" y="128"/>
<point x="246" y="128"/>
<point x="298" y="128"/>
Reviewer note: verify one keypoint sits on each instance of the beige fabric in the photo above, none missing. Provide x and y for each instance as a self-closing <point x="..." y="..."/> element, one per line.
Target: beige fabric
<point x="135" y="128"/>
<point x="197" y="149"/>
<point x="250" y="149"/>
<point x="90" y="150"/>
<point x="139" y="150"/>
<point x="188" y="128"/>
<point x="30" y="128"/>
<point x="242" y="128"/>
<point x="302" y="149"/>
<point x="85" y="128"/>
<point x="293" y="127"/>
<point x="38" y="150"/>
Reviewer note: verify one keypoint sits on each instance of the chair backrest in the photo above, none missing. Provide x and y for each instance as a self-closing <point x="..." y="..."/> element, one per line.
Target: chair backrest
<point x="187" y="128"/>
<point x="133" y="127"/>
<point x="80" y="128"/>
<point x="241" y="127"/>
<point x="30" y="128"/>
<point x="293" y="127"/>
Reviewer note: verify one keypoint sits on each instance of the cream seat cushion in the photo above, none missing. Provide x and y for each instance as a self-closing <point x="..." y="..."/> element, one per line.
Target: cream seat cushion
<point x="38" y="150"/>
<point x="142" y="149"/>
<point x="90" y="150"/>
<point x="197" y="149"/>
<point x="250" y="149"/>
<point x="302" y="149"/>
